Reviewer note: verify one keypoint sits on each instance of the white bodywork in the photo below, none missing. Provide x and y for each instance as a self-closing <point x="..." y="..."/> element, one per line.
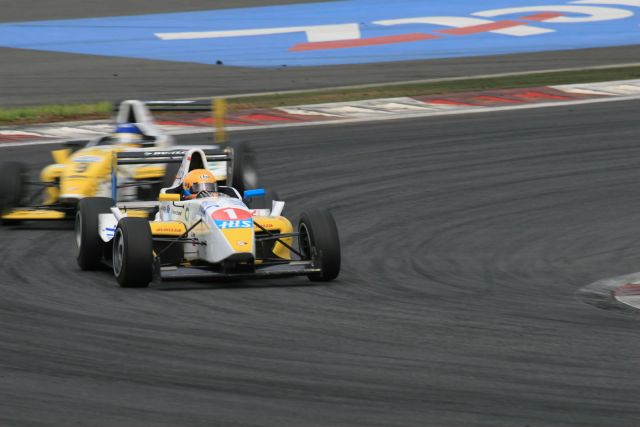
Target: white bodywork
<point x="217" y="234"/>
<point x="134" y="111"/>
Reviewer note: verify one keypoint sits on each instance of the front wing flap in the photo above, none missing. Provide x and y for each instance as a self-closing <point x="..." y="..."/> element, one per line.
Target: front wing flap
<point x="293" y="268"/>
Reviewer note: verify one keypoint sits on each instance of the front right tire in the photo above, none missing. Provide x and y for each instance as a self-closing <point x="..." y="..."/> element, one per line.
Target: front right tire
<point x="319" y="242"/>
<point x="12" y="177"/>
<point x="88" y="240"/>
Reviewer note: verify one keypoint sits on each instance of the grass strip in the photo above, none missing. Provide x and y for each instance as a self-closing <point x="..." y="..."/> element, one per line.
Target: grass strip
<point x="103" y="110"/>
<point x="55" y="113"/>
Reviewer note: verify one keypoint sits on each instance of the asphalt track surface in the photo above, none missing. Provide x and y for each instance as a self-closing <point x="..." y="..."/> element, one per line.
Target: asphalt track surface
<point x="34" y="78"/>
<point x="465" y="241"/>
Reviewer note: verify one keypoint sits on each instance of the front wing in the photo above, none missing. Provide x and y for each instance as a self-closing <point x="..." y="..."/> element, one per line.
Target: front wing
<point x="34" y="215"/>
<point x="292" y="268"/>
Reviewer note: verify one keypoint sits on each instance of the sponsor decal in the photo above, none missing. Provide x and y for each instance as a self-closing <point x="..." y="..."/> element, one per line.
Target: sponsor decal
<point x="81" y="168"/>
<point x="163" y="153"/>
<point x="236" y="223"/>
<point x="232" y="218"/>
<point x="110" y="231"/>
<point x="168" y="229"/>
<point x="86" y="159"/>
<point x="231" y="214"/>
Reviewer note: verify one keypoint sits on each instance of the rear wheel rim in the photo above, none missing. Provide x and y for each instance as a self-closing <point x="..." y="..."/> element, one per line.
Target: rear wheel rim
<point x="118" y="253"/>
<point x="305" y="241"/>
<point x="79" y="230"/>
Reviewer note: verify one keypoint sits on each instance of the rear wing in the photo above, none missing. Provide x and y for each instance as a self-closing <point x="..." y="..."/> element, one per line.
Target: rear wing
<point x="139" y="112"/>
<point x="201" y="157"/>
<point x="180" y="105"/>
<point x="166" y="156"/>
<point x="217" y="106"/>
<point x="135" y="111"/>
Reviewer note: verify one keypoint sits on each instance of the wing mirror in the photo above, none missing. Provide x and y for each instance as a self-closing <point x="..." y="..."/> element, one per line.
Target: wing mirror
<point x="169" y="197"/>
<point x="61" y="156"/>
<point x="258" y="192"/>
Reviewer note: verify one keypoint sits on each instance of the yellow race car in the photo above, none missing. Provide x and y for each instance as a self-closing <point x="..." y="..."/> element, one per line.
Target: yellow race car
<point x="84" y="169"/>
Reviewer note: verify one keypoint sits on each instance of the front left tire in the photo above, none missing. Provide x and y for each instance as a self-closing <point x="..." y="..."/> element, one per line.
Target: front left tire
<point x="133" y="253"/>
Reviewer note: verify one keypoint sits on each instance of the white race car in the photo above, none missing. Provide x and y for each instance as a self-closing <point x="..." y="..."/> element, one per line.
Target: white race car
<point x="215" y="235"/>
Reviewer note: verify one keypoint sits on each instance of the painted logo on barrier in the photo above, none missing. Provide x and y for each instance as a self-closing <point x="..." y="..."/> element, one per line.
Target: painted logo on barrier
<point x="350" y="31"/>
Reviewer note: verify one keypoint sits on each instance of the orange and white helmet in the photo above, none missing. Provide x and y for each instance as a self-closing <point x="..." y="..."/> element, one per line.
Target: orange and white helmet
<point x="197" y="181"/>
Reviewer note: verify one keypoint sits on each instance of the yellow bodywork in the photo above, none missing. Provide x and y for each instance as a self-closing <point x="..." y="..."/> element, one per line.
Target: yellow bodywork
<point x="86" y="170"/>
<point x="137" y="213"/>
<point x="81" y="174"/>
<point x="240" y="239"/>
<point x="51" y="174"/>
<point x="61" y="156"/>
<point x="281" y="225"/>
<point x="149" y="172"/>
<point x="168" y="228"/>
<point x="33" y="214"/>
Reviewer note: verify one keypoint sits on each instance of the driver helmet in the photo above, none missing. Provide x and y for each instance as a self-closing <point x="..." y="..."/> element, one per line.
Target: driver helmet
<point x="199" y="181"/>
<point x="127" y="133"/>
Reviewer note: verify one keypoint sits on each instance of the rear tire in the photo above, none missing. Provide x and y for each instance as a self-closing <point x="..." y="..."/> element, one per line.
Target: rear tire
<point x="264" y="202"/>
<point x="170" y="174"/>
<point x="12" y="177"/>
<point x="319" y="241"/>
<point x="133" y="253"/>
<point x="88" y="240"/>
<point x="241" y="170"/>
<point x="152" y="192"/>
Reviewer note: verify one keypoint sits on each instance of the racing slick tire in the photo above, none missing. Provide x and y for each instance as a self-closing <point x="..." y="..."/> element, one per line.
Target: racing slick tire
<point x="241" y="169"/>
<point x="12" y="177"/>
<point x="88" y="240"/>
<point x="152" y="192"/>
<point x="319" y="242"/>
<point x="264" y="202"/>
<point x="170" y="174"/>
<point x="133" y="253"/>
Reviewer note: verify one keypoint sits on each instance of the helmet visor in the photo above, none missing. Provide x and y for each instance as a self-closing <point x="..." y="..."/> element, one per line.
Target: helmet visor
<point x="198" y="187"/>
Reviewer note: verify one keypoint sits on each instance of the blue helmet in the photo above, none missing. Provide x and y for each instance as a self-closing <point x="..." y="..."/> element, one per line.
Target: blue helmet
<point x="127" y="133"/>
